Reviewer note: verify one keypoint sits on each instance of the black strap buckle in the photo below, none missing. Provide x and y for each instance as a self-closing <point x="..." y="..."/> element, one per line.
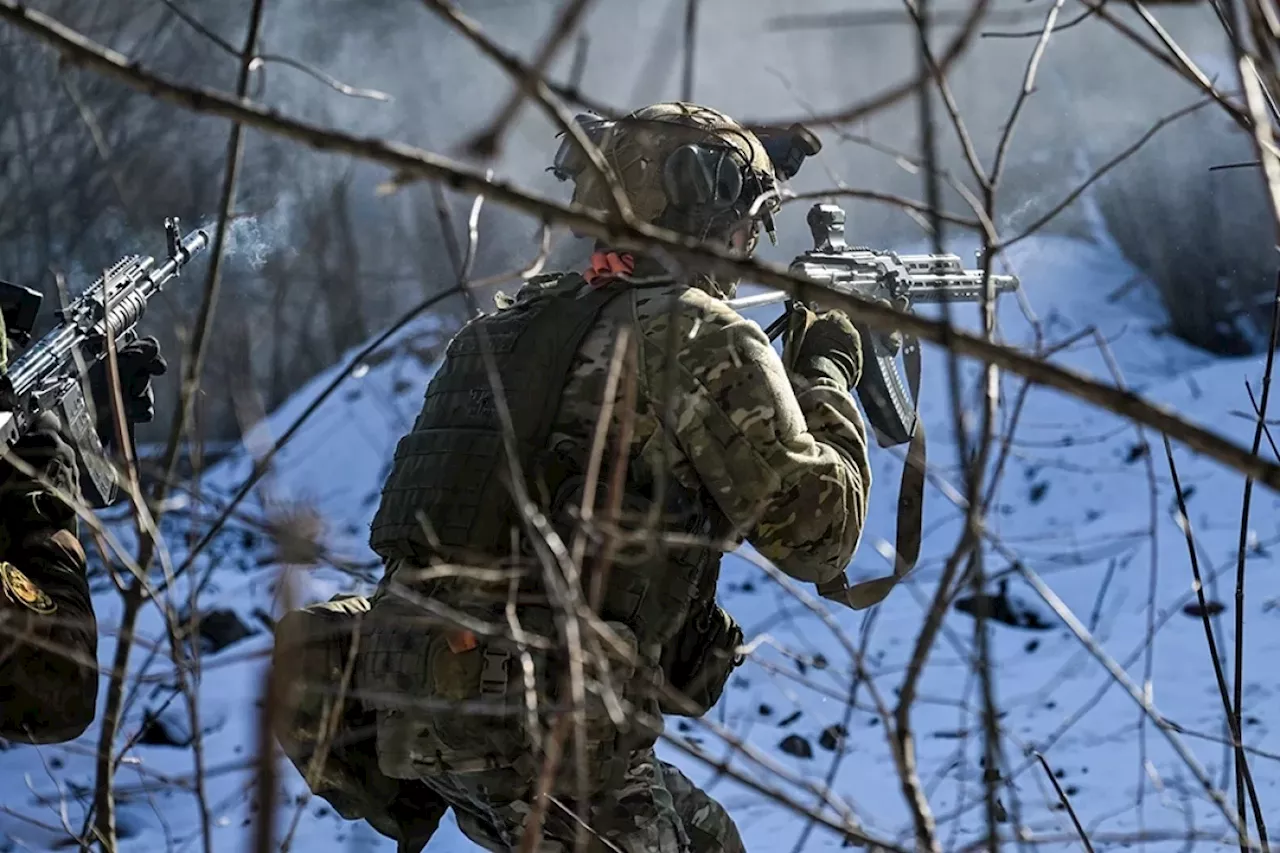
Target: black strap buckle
<point x="495" y="675"/>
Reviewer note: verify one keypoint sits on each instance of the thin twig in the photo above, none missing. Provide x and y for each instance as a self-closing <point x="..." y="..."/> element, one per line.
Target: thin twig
<point x="994" y="34"/>
<point x="1028" y="86"/>
<point x="690" y="49"/>
<point x="266" y="58"/>
<point x="925" y="207"/>
<point x="1236" y="712"/>
<point x="104" y="804"/>
<point x="262" y="466"/>
<point x="194" y="364"/>
<point x="1050" y="598"/>
<point x="1101" y="172"/>
<point x="488" y="142"/>
<point x="1184" y="522"/>
<point x="1153" y="499"/>
<point x="537" y="89"/>
<point x="959" y="45"/>
<point x="1258" y="98"/>
<point x="1066" y="803"/>
<point x="903" y="740"/>
<point x="1172" y="58"/>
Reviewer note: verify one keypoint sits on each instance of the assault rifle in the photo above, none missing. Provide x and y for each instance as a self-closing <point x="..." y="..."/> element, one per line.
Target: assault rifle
<point x="47" y="377"/>
<point x="901" y="280"/>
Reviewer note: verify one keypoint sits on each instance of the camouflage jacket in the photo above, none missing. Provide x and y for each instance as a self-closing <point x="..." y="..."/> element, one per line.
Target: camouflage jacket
<point x="784" y="457"/>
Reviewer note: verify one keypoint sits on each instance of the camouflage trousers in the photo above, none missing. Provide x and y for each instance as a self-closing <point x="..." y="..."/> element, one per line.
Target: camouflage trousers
<point x="655" y="809"/>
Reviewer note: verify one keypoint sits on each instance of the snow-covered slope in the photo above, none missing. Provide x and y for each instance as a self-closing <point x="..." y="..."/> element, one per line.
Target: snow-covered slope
<point x="1074" y="506"/>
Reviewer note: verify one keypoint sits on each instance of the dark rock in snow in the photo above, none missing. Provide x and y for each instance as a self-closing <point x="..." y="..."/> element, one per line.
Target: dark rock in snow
<point x="950" y="734"/>
<point x="796" y="746"/>
<point x="1136" y="452"/>
<point x="159" y="731"/>
<point x="170" y="724"/>
<point x="1212" y="608"/>
<point x="221" y="628"/>
<point x="789" y="719"/>
<point x="1006" y="609"/>
<point x="832" y="737"/>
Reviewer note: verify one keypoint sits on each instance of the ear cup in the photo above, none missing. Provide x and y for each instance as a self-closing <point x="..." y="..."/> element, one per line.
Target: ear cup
<point x="696" y="176"/>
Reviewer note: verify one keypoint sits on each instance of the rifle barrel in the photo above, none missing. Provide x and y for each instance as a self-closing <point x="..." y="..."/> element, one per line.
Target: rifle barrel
<point x="769" y="297"/>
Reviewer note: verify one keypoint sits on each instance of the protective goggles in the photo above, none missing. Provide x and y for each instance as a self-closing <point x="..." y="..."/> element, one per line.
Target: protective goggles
<point x="571" y="160"/>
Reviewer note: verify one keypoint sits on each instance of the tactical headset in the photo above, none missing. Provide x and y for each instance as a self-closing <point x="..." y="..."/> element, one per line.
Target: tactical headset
<point x="705" y="178"/>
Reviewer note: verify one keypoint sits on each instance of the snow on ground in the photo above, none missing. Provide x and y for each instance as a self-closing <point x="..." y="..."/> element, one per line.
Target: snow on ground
<point x="1074" y="507"/>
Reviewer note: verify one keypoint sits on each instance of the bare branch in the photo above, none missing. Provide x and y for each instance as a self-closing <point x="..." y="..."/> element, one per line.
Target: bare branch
<point x="488" y="142"/>
<point x="1066" y="803"/>
<point x="1121" y="677"/>
<point x="1106" y="167"/>
<point x="954" y="51"/>
<point x="267" y="58"/>
<point x="1083" y="16"/>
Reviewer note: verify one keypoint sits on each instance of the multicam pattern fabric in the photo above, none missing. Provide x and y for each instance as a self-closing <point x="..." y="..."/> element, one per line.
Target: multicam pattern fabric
<point x="328" y="733"/>
<point x="784" y="458"/>
<point x="653" y="809"/>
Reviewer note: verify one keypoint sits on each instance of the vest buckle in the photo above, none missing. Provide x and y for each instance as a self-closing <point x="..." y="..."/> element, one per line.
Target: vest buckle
<point x="495" y="674"/>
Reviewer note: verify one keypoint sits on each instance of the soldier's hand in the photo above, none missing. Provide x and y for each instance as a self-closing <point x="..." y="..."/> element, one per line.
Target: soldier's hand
<point x="824" y="345"/>
<point x="138" y="362"/>
<point x="27" y="502"/>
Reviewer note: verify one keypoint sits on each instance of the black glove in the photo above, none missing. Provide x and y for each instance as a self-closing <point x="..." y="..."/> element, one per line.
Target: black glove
<point x="138" y="362"/>
<point x="824" y="344"/>
<point x="25" y="502"/>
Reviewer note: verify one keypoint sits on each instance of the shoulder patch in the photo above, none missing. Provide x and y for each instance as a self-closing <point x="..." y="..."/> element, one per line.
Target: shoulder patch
<point x="20" y="589"/>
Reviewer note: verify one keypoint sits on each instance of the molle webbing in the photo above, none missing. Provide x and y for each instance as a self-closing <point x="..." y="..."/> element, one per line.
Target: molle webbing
<point x="451" y="470"/>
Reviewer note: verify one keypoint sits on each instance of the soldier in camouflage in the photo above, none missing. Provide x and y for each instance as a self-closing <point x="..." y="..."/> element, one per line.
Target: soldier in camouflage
<point x="48" y="632"/>
<point x="725" y="441"/>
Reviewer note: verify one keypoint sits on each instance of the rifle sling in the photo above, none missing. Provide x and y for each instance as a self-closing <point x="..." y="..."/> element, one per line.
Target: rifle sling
<point x="910" y="508"/>
<point x="910" y="491"/>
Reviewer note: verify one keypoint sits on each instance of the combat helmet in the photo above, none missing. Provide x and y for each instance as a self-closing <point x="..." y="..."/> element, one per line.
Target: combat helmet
<point x="687" y="167"/>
